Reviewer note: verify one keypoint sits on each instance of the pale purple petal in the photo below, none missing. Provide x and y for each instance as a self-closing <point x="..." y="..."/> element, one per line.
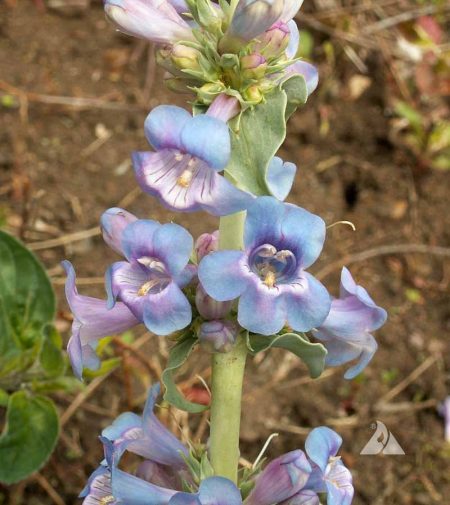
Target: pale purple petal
<point x="280" y="479"/>
<point x="219" y="491"/>
<point x="112" y="223"/>
<point x="151" y="20"/>
<point x="224" y="107"/>
<point x="338" y="480"/>
<point x="137" y="239"/>
<point x="186" y="185"/>
<point x="253" y="17"/>
<point x="290" y="9"/>
<point x="294" y="40"/>
<point x="304" y="497"/>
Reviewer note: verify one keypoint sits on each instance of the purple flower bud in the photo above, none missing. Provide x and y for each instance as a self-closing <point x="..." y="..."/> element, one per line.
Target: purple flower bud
<point x="224" y="107"/>
<point x="253" y="17"/>
<point x="148" y="19"/>
<point x="206" y="243"/>
<point x="112" y="223"/>
<point x="160" y="475"/>
<point x="281" y="479"/>
<point x="274" y="41"/>
<point x="208" y="307"/>
<point x="218" y="336"/>
<point x="253" y="66"/>
<point x="444" y="411"/>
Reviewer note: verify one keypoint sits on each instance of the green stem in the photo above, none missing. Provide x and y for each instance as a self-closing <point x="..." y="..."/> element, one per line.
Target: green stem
<point x="227" y="379"/>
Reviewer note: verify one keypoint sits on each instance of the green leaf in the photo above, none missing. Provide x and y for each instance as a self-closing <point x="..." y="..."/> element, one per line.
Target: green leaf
<point x="51" y="356"/>
<point x="67" y="384"/>
<point x="413" y="117"/>
<point x="313" y="355"/>
<point x="27" y="301"/>
<point x="262" y="131"/>
<point x="4" y="398"/>
<point x="29" y="437"/>
<point x="296" y="92"/>
<point x="177" y="357"/>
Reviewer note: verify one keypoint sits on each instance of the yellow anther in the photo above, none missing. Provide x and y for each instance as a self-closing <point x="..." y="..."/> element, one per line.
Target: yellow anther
<point x="270" y="279"/>
<point x="185" y="178"/>
<point x="179" y="157"/>
<point x="146" y="287"/>
<point x="107" y="499"/>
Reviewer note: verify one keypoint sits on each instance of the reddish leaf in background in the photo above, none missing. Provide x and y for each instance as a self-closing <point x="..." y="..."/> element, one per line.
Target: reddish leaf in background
<point x="198" y="395"/>
<point x="431" y="27"/>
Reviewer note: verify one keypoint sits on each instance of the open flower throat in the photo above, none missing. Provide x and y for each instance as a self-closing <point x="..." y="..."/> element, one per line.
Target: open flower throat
<point x="273" y="266"/>
<point x="159" y="278"/>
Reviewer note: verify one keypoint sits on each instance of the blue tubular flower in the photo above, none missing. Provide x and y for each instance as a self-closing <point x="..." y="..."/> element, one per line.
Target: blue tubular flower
<point x="92" y="321"/>
<point x="282" y="478"/>
<point x="155" y="20"/>
<point x="183" y="172"/>
<point x="346" y="332"/>
<point x="147" y="436"/>
<point x="281" y="240"/>
<point x="329" y="473"/>
<point x="149" y="282"/>
<point x="127" y="489"/>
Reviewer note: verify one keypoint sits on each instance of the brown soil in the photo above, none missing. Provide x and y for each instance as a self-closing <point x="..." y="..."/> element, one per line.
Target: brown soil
<point x="54" y="180"/>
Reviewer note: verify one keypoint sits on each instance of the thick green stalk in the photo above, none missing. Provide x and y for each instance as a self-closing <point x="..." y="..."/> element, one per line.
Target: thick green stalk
<point x="227" y="379"/>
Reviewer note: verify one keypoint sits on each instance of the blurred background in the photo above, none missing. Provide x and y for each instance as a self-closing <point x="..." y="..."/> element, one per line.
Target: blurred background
<point x="372" y="147"/>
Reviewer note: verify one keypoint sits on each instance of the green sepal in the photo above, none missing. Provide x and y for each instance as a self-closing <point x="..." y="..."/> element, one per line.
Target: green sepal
<point x="29" y="437"/>
<point x="312" y="354"/>
<point x="296" y="92"/>
<point x="177" y="357"/>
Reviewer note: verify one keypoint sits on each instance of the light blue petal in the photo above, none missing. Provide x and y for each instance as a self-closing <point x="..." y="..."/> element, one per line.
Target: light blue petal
<point x="167" y="311"/>
<point x="219" y="491"/>
<point x="125" y="422"/>
<point x="173" y="244"/>
<point x="223" y="274"/>
<point x="261" y="309"/>
<point x="207" y="138"/>
<point x="163" y="446"/>
<point x="137" y="238"/>
<point x="294" y="40"/>
<point x="185" y="499"/>
<point x="308" y="71"/>
<point x="368" y="352"/>
<point x="163" y="126"/>
<point x="186" y="275"/>
<point x="280" y="177"/>
<point x="263" y="223"/>
<point x="305" y="234"/>
<point x="307" y="303"/>
<point x="321" y="444"/>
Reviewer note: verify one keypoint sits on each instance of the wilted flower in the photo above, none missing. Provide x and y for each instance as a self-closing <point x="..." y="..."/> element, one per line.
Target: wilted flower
<point x="183" y="172"/>
<point x="155" y="20"/>
<point x="92" y="321"/>
<point x="281" y="240"/>
<point x="149" y="283"/>
<point x="346" y="332"/>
